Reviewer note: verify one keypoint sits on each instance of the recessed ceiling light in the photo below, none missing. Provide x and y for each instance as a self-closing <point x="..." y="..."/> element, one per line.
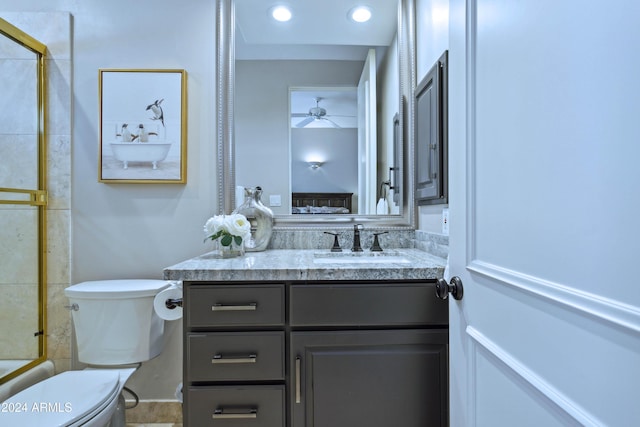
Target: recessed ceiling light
<point x="360" y="14"/>
<point x="281" y="13"/>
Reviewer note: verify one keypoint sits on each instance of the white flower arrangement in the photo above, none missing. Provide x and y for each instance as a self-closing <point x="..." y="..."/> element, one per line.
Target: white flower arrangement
<point x="228" y="228"/>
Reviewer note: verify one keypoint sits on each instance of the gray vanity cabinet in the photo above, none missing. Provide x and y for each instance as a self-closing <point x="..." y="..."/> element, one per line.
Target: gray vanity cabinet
<point x="367" y="354"/>
<point x="234" y="349"/>
<point x="315" y="354"/>
<point x="369" y="378"/>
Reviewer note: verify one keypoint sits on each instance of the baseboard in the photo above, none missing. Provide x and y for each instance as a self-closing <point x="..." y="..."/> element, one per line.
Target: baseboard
<point x="154" y="412"/>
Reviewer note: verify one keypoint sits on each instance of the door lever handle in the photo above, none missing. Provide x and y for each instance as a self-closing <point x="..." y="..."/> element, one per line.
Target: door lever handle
<point x="454" y="288"/>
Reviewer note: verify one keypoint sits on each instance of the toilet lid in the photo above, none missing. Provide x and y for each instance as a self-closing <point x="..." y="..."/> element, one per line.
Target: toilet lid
<point x="63" y="399"/>
<point x="115" y="289"/>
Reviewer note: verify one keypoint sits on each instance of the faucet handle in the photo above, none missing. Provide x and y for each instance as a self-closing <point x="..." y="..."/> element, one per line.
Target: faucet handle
<point x="336" y="245"/>
<point x="356" y="238"/>
<point x="376" y="243"/>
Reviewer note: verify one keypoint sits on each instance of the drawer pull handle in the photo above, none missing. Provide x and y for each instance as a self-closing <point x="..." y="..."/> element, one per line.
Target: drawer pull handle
<point x="221" y="414"/>
<point x="230" y="307"/>
<point x="219" y="358"/>
<point x="298" y="392"/>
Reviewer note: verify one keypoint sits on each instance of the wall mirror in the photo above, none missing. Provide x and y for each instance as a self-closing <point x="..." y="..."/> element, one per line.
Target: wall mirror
<point x="272" y="76"/>
<point x="22" y="203"/>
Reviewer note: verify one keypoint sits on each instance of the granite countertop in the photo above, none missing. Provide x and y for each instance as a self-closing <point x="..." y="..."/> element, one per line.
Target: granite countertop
<point x="308" y="264"/>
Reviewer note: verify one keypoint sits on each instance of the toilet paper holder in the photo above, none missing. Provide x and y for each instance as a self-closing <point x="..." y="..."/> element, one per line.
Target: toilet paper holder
<point x="172" y="303"/>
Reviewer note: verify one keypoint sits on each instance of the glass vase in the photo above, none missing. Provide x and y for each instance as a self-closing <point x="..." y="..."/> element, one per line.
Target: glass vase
<point x="259" y="216"/>
<point x="232" y="251"/>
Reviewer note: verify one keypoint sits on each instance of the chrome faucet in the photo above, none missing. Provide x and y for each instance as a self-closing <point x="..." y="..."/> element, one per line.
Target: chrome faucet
<point x="356" y="238"/>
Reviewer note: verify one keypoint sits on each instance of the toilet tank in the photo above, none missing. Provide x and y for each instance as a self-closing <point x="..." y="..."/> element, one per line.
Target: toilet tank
<point x="115" y="322"/>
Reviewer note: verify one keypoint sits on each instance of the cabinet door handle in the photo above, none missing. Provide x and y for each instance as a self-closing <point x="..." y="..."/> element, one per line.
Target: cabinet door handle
<point x="237" y="307"/>
<point x="298" y="370"/>
<point x="221" y="414"/>
<point x="220" y="358"/>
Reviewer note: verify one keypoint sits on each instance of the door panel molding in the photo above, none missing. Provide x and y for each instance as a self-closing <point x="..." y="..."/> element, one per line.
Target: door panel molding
<point x="535" y="383"/>
<point x="470" y="76"/>
<point x="589" y="304"/>
<point x="585" y="303"/>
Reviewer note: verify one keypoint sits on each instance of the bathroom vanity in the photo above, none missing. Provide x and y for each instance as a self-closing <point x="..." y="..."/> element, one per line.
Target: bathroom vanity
<point x="309" y="338"/>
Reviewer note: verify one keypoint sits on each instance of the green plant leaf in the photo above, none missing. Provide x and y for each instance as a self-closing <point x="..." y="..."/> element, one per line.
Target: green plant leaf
<point x="213" y="236"/>
<point x="238" y="240"/>
<point x="226" y="240"/>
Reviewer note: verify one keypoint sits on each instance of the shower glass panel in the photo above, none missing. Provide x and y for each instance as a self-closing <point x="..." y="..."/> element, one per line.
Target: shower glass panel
<point x="19" y="266"/>
<point x="22" y="202"/>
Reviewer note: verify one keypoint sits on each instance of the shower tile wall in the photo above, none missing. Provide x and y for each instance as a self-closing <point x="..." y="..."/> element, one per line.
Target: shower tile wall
<point x="54" y="30"/>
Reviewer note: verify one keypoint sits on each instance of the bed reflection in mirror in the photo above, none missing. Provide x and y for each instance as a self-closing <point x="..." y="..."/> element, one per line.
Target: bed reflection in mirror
<point x="321" y="203"/>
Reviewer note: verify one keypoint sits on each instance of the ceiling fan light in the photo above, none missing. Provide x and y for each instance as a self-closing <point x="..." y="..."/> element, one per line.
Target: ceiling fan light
<point x="281" y="13"/>
<point x="360" y="14"/>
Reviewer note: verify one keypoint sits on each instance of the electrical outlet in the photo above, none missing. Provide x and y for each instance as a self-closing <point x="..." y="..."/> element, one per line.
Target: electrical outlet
<point x="275" y="200"/>
<point x="445" y="221"/>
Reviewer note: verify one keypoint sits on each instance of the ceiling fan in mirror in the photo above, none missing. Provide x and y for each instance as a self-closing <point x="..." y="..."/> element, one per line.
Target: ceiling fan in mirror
<point x="317" y="114"/>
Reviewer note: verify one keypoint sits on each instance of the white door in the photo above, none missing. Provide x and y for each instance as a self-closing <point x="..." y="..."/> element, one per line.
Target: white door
<point x="367" y="145"/>
<point x="544" y="143"/>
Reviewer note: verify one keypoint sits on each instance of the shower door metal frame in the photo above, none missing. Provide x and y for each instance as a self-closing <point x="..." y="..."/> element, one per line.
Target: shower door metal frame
<point x="34" y="197"/>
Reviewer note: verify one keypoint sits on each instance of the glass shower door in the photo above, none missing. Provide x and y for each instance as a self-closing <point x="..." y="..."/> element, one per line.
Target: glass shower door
<point x="22" y="203"/>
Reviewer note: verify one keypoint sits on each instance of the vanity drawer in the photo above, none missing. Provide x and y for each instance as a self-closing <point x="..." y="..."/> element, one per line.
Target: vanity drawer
<point x="236" y="356"/>
<point x="355" y="304"/>
<point x="213" y="306"/>
<point x="236" y="406"/>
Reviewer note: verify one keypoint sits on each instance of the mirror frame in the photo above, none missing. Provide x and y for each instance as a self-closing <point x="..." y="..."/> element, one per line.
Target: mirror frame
<point x="225" y="86"/>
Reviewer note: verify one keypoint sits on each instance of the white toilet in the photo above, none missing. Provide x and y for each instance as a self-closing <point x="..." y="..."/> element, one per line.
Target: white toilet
<point x="116" y="325"/>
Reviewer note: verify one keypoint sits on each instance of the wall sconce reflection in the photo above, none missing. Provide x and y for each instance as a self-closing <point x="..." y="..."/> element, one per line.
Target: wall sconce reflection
<point x="315" y="165"/>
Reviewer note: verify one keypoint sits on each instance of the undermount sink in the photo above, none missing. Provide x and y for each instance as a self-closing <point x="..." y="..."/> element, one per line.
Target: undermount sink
<point x="360" y="258"/>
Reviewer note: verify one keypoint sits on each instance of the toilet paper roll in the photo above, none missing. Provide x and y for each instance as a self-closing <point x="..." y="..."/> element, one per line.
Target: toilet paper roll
<point x="160" y="303"/>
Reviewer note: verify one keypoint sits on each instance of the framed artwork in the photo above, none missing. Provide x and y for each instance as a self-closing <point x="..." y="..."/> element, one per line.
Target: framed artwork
<point x="143" y="126"/>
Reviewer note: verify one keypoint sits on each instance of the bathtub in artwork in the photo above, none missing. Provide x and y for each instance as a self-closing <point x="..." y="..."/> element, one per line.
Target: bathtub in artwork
<point x="151" y="152"/>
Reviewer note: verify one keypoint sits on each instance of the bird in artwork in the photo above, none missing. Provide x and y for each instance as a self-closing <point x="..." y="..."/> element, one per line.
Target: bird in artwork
<point x="143" y="135"/>
<point x="156" y="109"/>
<point x="126" y="134"/>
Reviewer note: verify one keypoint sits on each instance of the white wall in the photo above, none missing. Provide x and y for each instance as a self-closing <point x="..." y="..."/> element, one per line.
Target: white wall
<point x="337" y="148"/>
<point x="388" y="106"/>
<point x="262" y="122"/>
<point x="432" y="39"/>
<point x="134" y="231"/>
<point x="432" y="33"/>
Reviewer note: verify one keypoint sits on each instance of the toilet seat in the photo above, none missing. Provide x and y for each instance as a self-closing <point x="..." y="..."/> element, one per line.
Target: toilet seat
<point x="68" y="399"/>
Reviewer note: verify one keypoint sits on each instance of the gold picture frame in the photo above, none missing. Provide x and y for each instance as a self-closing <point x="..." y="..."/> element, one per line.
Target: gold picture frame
<point x="143" y="126"/>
